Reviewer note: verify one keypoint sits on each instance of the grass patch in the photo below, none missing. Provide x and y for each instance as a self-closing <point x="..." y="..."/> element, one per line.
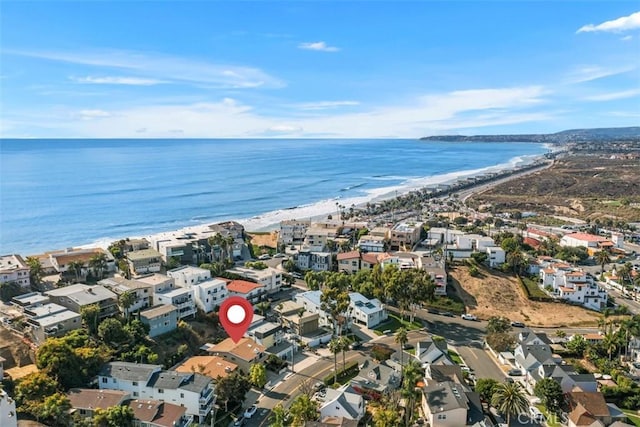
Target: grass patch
<point x="552" y="419"/>
<point x="633" y="417"/>
<point x="452" y="304"/>
<point x="394" y="323"/>
<point x="532" y="288"/>
<point x="455" y="357"/>
<point x="612" y="203"/>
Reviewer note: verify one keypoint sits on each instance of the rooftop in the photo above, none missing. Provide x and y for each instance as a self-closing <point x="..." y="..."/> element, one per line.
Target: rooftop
<point x="157" y="413"/>
<point x="129" y="371"/>
<point x="445" y="396"/>
<point x="243" y="286"/>
<point x="158" y="310"/>
<point x="245" y="349"/>
<point x="143" y="254"/>
<point x="84" y="398"/>
<point x="212" y="366"/>
<point x="83" y="294"/>
<point x="11" y="262"/>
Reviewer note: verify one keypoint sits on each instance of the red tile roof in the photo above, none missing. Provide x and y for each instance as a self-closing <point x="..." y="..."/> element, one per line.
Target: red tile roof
<point x="587" y="237"/>
<point x="242" y="286"/>
<point x="348" y="255"/>
<point x="532" y="242"/>
<point x="370" y="257"/>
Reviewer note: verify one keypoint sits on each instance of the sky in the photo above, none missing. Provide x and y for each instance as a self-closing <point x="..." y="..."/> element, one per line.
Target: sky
<point x="362" y="69"/>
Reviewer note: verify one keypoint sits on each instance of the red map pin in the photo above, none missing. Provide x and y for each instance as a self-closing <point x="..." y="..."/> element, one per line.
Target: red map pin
<point x="236" y="314"/>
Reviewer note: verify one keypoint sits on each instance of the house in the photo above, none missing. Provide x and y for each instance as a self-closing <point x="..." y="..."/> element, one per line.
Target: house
<point x="8" y="414"/>
<point x="592" y="242"/>
<point x="188" y="247"/>
<point x="302" y="323"/>
<point x="450" y="404"/>
<point x="293" y="232"/>
<point x="332" y="422"/>
<point x="85" y="401"/>
<point x="142" y="381"/>
<point x="13" y="269"/>
<point x="208" y="293"/>
<point x="31" y="298"/>
<point x="366" y="312"/>
<point x="214" y="367"/>
<point x="436" y="269"/>
<point x="250" y="291"/>
<point x="267" y="334"/>
<point x="349" y="262"/>
<point x="588" y="409"/>
<point x="442" y="373"/>
<point x="311" y="302"/>
<point x="369" y="243"/>
<point x="77" y="296"/>
<point x="530" y="357"/>
<point x="50" y="320"/>
<point x="182" y="298"/>
<point x="343" y="402"/>
<point x="144" y="261"/>
<point x="157" y="413"/>
<point x="573" y="285"/>
<point x="376" y="378"/>
<point x="244" y="353"/>
<point x="158" y="282"/>
<point x="317" y="236"/>
<point x="316" y="261"/>
<point x="61" y="260"/>
<point x="432" y="352"/>
<point x="270" y="278"/>
<point x="143" y="294"/>
<point x="495" y="256"/>
<point x="160" y="319"/>
<point x="405" y="235"/>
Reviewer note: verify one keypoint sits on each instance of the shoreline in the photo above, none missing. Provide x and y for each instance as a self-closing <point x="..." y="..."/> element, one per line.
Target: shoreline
<point x="270" y="221"/>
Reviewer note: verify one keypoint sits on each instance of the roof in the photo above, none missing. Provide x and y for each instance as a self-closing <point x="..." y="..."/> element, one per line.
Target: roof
<point x="364" y="304"/>
<point x="143" y="254"/>
<point x="445" y="396"/>
<point x="370" y="257"/>
<point x="83" y="294"/>
<point x="245" y="349"/>
<point x="586" y="237"/>
<point x="154" y="279"/>
<point x="158" y="311"/>
<point x="531" y="242"/>
<point x="173" y="380"/>
<point x="120" y="285"/>
<point x="442" y="373"/>
<point x="332" y="422"/>
<point x="77" y="255"/>
<point x="348" y="255"/>
<point x="85" y="398"/>
<point x="242" y="286"/>
<point x="12" y="262"/>
<point x="593" y="337"/>
<point x="156" y="412"/>
<point x="591" y="401"/>
<point x="212" y="366"/>
<point x="312" y="296"/>
<point x="581" y="417"/>
<point x="129" y="371"/>
<point x="349" y="400"/>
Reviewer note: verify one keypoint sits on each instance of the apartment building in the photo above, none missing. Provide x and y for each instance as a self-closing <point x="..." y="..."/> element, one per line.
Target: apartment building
<point x="77" y="296"/>
<point x="14" y="269"/>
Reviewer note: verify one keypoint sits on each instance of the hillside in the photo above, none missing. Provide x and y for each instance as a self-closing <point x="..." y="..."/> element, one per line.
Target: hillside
<point x="496" y="294"/>
<point x="565" y="136"/>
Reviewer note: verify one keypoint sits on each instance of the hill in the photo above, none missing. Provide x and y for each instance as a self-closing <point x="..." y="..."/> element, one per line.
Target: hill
<point x="563" y="137"/>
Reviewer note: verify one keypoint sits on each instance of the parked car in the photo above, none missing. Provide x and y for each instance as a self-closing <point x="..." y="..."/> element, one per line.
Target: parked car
<point x="318" y="386"/>
<point x="514" y="373"/>
<point x="517" y="324"/>
<point x="279" y="255"/>
<point x="447" y="314"/>
<point x="355" y="345"/>
<point x="467" y="316"/>
<point x="264" y="256"/>
<point x="239" y="422"/>
<point x="509" y="380"/>
<point x="250" y="411"/>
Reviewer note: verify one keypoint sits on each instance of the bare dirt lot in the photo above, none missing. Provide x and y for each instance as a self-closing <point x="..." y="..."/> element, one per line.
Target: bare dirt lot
<point x="496" y="294"/>
<point x="269" y="240"/>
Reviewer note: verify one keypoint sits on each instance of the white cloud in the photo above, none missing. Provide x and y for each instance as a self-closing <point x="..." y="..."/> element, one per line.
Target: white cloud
<point x="155" y="66"/>
<point x="595" y="72"/>
<point x="626" y="38"/>
<point x="115" y="80"/>
<point x="619" y="25"/>
<point x="326" y="105"/>
<point x="229" y="118"/>
<point x="614" y="95"/>
<point x="319" y="46"/>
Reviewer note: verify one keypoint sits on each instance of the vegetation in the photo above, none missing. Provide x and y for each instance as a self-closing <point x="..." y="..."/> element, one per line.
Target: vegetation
<point x="258" y="375"/>
<point x="303" y="409"/>
<point x="498" y="336"/>
<point x="115" y="416"/>
<point x="232" y="389"/>
<point x="485" y="387"/>
<point x="550" y="393"/>
<point x="510" y="399"/>
<point x="394" y="323"/>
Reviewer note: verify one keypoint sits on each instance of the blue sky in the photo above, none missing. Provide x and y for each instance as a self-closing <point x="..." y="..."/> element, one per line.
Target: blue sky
<point x="316" y="68"/>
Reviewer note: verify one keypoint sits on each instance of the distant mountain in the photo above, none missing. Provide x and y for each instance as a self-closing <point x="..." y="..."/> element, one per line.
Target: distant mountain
<point x="573" y="135"/>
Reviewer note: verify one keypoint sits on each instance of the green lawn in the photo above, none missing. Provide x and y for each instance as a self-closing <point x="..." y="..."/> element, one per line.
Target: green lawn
<point x="533" y="288"/>
<point x="633" y="417"/>
<point x="552" y="420"/>
<point x="455" y="357"/>
<point x="394" y="323"/>
<point x="452" y="304"/>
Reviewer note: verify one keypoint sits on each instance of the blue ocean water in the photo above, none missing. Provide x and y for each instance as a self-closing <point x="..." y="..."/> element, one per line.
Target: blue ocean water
<point x="61" y="193"/>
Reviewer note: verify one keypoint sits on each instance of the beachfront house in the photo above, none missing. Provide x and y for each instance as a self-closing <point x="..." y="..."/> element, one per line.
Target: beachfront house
<point x="62" y="261"/>
<point x="293" y="232"/>
<point x="13" y="269"/>
<point x="144" y="261"/>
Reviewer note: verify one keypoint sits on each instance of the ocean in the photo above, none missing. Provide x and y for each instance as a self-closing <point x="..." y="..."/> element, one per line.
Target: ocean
<point x="61" y="193"/>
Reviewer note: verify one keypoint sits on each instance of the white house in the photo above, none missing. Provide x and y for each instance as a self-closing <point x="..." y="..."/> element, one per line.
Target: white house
<point x="366" y="312"/>
<point x="187" y="276"/>
<point x="182" y="298"/>
<point x="370" y="243"/>
<point x="14" y="269"/>
<point x="270" y="278"/>
<point x="310" y="300"/>
<point x="316" y="261"/>
<point x="445" y="404"/>
<point x="8" y="415"/>
<point x="144" y="261"/>
<point x="210" y="294"/>
<point x="496" y="256"/>
<point x="50" y="320"/>
<point x="292" y="232"/>
<point x="142" y="292"/>
<point x="158" y="282"/>
<point x="573" y="285"/>
<point x="592" y="242"/>
<point x="343" y="402"/>
<point x="194" y="391"/>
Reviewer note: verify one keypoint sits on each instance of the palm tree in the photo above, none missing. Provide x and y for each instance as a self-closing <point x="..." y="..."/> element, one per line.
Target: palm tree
<point x="334" y="347"/>
<point x="401" y="338"/>
<point x="411" y="374"/>
<point x="516" y="259"/>
<point x="602" y="258"/>
<point x="215" y="242"/>
<point x="98" y="264"/>
<point x="126" y="300"/>
<point x="35" y="271"/>
<point x="76" y="267"/>
<point x="344" y="346"/>
<point x="610" y="340"/>
<point x="510" y="399"/>
<point x="228" y="244"/>
<point x="263" y="307"/>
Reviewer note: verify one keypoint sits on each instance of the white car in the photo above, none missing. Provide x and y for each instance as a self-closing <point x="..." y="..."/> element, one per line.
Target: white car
<point x="468" y="316"/>
<point x="265" y="256"/>
<point x="250" y="411"/>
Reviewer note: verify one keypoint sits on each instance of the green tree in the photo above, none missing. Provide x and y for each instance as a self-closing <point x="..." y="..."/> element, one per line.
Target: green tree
<point x="510" y="399"/>
<point x="279" y="416"/>
<point x="55" y="410"/>
<point x="401" y="338"/>
<point x="303" y="409"/>
<point x="232" y="388"/>
<point x="76" y="268"/>
<point x="57" y="358"/>
<point x="335" y="347"/>
<point x="387" y="417"/>
<point x="498" y="324"/>
<point x="258" y="375"/>
<point x="98" y="263"/>
<point x="35" y="271"/>
<point x="31" y="391"/>
<point x="577" y="345"/>
<point x="262" y="307"/>
<point x="125" y="268"/>
<point x="485" y="387"/>
<point x="550" y="393"/>
<point x="602" y="258"/>
<point x="112" y="331"/>
<point x="90" y="315"/>
<point x="335" y="299"/>
<point x="114" y="416"/>
<point x="126" y="300"/>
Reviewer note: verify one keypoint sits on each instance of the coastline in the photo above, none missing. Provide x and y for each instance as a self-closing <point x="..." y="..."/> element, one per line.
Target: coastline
<point x="270" y="221"/>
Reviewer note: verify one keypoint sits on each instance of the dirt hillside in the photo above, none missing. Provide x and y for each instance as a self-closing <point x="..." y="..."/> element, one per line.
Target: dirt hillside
<point x="496" y="294"/>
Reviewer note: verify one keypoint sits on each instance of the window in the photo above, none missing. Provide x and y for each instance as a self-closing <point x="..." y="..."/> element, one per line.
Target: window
<point x="160" y="390"/>
<point x="442" y="417"/>
<point x="135" y="383"/>
<point x="182" y="395"/>
<point x="135" y="394"/>
<point x="104" y="380"/>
